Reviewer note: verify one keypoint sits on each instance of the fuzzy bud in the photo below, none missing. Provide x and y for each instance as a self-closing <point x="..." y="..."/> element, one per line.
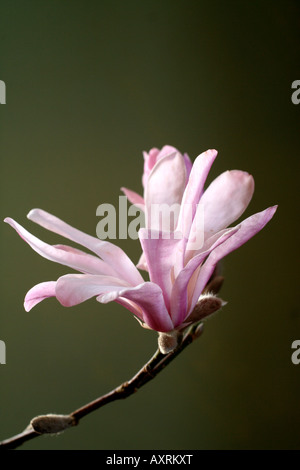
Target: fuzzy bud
<point x="199" y="330"/>
<point x="167" y="342"/>
<point x="206" y="305"/>
<point x="51" y="423"/>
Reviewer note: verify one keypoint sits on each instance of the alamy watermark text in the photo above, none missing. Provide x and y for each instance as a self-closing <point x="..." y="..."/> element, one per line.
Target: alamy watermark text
<point x="166" y="221"/>
<point x="296" y="94"/>
<point x="2" y="92"/>
<point x="2" y="352"/>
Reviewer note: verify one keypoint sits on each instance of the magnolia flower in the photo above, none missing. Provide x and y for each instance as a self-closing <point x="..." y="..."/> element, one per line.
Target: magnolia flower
<point x="179" y="272"/>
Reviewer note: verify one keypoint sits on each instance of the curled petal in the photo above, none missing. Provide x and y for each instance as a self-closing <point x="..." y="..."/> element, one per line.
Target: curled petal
<point x="40" y="292"/>
<point x="149" y="297"/>
<point x="132" y="307"/>
<point x="145" y="300"/>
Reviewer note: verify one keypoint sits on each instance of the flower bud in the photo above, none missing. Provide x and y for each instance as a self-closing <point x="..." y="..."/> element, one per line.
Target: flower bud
<point x="51" y="423"/>
<point x="167" y="342"/>
<point x="206" y="305"/>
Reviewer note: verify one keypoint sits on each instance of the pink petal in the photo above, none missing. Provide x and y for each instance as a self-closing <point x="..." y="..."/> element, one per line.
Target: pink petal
<point x="247" y="229"/>
<point x="134" y="198"/>
<point x="142" y="263"/>
<point x="149" y="162"/>
<point x="194" y="190"/>
<point x="165" y="186"/>
<point x="36" y="294"/>
<point x="166" y="150"/>
<point x="148" y="296"/>
<point x="190" y="200"/>
<point x="73" y="289"/>
<point x="95" y="264"/>
<point x="179" y="298"/>
<point x="188" y="165"/>
<point x="225" y="200"/>
<point x="62" y="254"/>
<point x="209" y="243"/>
<point x="111" y="254"/>
<point x="131" y="306"/>
<point x="160" y="258"/>
<point x="151" y="158"/>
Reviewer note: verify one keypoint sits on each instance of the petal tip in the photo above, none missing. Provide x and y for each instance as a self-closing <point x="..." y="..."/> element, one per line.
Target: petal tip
<point x="32" y="213"/>
<point x="270" y="211"/>
<point x="213" y="152"/>
<point x="27" y="307"/>
<point x="11" y="222"/>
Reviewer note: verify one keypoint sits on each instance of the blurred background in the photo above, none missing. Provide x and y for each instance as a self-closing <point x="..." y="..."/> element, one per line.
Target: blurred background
<point x="90" y="85"/>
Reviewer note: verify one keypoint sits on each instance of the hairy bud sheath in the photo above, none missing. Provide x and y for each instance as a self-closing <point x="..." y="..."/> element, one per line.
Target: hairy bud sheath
<point x="51" y="423"/>
<point x="167" y="342"/>
<point x="206" y="306"/>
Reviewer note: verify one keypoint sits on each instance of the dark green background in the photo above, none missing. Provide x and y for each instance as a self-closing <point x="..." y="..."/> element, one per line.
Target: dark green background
<point x="90" y="85"/>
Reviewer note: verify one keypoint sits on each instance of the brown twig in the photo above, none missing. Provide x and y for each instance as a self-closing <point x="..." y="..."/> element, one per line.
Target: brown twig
<point x="51" y="424"/>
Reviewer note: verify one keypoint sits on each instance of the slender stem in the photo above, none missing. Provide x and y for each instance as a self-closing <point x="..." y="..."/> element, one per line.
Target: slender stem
<point x="19" y="439"/>
<point x="124" y="390"/>
<point x="51" y="423"/>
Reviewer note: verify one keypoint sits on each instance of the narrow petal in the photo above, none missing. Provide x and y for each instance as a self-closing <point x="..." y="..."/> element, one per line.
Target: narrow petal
<point x="40" y="292"/>
<point x="134" y="198"/>
<point x="188" y="165"/>
<point x="194" y="190"/>
<point x="94" y="264"/>
<point x="148" y="296"/>
<point x="160" y="257"/>
<point x="149" y="162"/>
<point x="164" y="190"/>
<point x="74" y="289"/>
<point x="62" y="254"/>
<point x="111" y="254"/>
<point x="208" y="244"/>
<point x="225" y="200"/>
<point x="247" y="229"/>
<point x="131" y="306"/>
<point x="190" y="200"/>
<point x="180" y="302"/>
